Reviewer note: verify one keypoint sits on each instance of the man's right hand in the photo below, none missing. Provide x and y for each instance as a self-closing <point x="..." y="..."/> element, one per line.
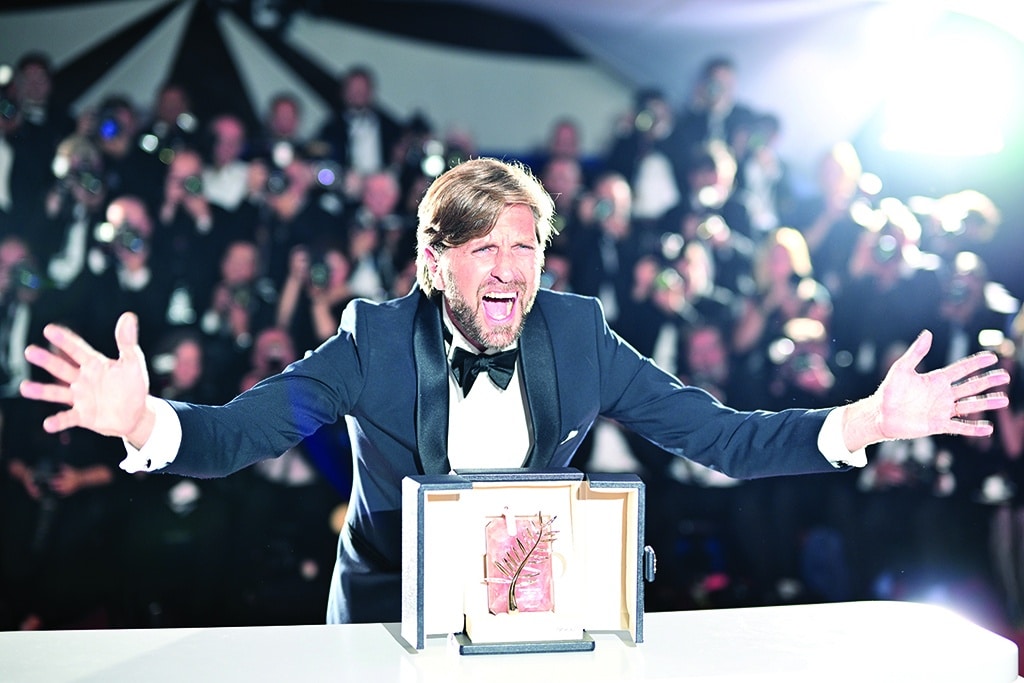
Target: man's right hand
<point x="103" y="395"/>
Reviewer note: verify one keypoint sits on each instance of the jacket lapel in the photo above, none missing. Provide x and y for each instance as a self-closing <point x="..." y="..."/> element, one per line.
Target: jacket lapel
<point x="537" y="362"/>
<point x="431" y="389"/>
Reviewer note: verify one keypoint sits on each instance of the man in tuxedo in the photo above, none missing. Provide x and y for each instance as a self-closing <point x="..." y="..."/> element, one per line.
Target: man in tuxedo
<point x="405" y="375"/>
<point x="362" y="135"/>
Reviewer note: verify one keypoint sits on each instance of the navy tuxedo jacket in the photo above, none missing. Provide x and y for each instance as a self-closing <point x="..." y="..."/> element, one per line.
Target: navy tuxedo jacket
<point x="386" y="372"/>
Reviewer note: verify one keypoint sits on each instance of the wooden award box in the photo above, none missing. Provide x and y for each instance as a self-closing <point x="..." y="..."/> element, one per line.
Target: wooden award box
<point x="592" y="569"/>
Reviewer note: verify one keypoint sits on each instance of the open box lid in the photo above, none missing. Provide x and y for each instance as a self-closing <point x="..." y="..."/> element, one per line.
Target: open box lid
<point x="600" y="545"/>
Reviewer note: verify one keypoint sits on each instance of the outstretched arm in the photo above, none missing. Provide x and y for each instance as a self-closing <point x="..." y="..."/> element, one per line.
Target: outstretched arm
<point x="909" y="404"/>
<point x="104" y="395"/>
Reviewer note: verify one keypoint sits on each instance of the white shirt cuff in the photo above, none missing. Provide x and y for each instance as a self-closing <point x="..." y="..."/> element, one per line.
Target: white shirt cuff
<point x="162" y="446"/>
<point x="830" y="443"/>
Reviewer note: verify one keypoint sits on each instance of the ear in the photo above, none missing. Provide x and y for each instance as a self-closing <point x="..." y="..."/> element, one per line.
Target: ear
<point x="434" y="265"/>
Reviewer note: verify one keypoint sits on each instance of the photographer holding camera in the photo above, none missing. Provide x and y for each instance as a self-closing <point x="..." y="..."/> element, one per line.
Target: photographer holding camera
<point x="288" y="208"/>
<point x="57" y="512"/>
<point x="130" y="278"/>
<point x="22" y="291"/>
<point x="193" y="233"/>
<point x="641" y="152"/>
<point x="23" y="168"/>
<point x="314" y="294"/>
<point x="891" y="292"/>
<point x="226" y="173"/>
<point x="53" y="488"/>
<point x="45" y="117"/>
<point x="605" y="249"/>
<point x="128" y="167"/>
<point x="241" y="305"/>
<point x="75" y="206"/>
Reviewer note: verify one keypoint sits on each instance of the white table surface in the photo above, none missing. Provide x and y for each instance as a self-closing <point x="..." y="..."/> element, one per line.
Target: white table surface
<point x="854" y="641"/>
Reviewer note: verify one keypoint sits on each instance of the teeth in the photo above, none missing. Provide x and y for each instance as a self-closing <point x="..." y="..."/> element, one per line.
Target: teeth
<point x="500" y="304"/>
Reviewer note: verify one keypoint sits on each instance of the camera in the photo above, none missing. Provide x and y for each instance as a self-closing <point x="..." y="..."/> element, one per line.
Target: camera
<point x="644" y="120"/>
<point x="43" y="473"/>
<point x="85" y="177"/>
<point x="108" y="126"/>
<point x="241" y="295"/>
<point x="193" y="185"/>
<point x="802" y="361"/>
<point x="603" y="209"/>
<point x="125" y="235"/>
<point x="8" y="106"/>
<point x="128" y="237"/>
<point x="319" y="273"/>
<point x="277" y="181"/>
<point x="25" y="276"/>
<point x="886" y="247"/>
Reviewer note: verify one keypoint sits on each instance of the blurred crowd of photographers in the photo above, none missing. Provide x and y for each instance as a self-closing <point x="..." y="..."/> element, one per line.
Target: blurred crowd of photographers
<point x="240" y="247"/>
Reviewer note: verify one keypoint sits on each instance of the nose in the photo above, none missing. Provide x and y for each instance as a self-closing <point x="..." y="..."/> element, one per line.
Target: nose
<point x="502" y="268"/>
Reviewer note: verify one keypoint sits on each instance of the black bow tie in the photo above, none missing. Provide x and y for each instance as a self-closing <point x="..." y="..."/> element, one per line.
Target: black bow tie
<point x="466" y="365"/>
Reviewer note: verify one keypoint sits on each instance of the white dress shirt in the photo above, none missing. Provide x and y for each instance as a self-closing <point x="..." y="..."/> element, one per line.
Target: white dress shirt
<point x="490" y="428"/>
<point x="6" y="162"/>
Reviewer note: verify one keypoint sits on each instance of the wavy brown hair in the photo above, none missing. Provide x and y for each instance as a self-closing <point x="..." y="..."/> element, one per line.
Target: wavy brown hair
<point x="463" y="204"/>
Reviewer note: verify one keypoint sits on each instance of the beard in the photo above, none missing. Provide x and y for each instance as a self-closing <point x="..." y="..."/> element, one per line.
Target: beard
<point x="470" y="320"/>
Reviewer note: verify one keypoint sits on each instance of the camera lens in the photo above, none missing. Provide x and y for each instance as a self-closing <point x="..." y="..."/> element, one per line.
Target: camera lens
<point x="193" y="184"/>
<point x="277" y="182"/>
<point x="885" y="248"/>
<point x="8" y="108"/>
<point x="130" y="239"/>
<point x="603" y="209"/>
<point x="319" y="274"/>
<point x="108" y="125"/>
<point x="23" y="275"/>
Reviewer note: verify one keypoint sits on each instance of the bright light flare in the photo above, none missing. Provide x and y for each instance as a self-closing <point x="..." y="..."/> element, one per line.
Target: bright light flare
<point x="955" y="92"/>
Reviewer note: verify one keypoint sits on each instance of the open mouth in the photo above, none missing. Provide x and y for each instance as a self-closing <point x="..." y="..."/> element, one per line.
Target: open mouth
<point x="499" y="306"/>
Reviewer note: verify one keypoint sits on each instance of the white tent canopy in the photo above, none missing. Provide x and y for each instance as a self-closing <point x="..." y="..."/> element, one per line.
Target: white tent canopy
<point x="823" y="67"/>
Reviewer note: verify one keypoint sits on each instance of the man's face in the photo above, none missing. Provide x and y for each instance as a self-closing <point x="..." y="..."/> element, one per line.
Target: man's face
<point x="706" y="354"/>
<point x="284" y="120"/>
<point x="116" y="136"/>
<point x="33" y="84"/>
<point x="357" y="92"/>
<point x="490" y="283"/>
<point x="380" y="195"/>
<point x="230" y="136"/>
<point x="188" y="364"/>
<point x="562" y="178"/>
<point x="719" y="87"/>
<point x="171" y="104"/>
<point x="11" y="254"/>
<point x="182" y="170"/>
<point x="565" y="141"/>
<point x="239" y="264"/>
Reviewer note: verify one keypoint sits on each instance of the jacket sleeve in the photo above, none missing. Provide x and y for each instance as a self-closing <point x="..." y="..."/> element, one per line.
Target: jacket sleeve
<point x="275" y="414"/>
<point x="689" y="422"/>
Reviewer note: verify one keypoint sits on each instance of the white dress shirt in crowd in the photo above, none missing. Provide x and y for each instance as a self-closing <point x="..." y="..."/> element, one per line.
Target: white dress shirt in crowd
<point x="6" y="161"/>
<point x="365" y="153"/>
